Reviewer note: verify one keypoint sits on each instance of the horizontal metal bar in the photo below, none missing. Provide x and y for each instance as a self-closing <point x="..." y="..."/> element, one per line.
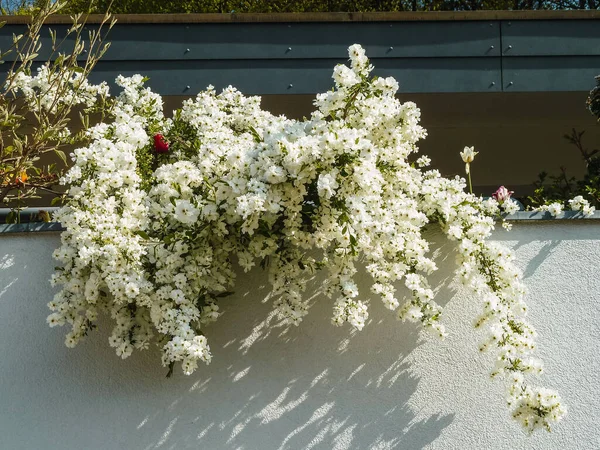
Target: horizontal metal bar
<point x="552" y="73"/>
<point x="31" y="227"/>
<point x="551" y="38"/>
<point x="139" y="42"/>
<point x="27" y="213"/>
<point x="536" y="216"/>
<point x="521" y="216"/>
<point x="32" y="210"/>
<point x="297" y="58"/>
<point x="305" y="76"/>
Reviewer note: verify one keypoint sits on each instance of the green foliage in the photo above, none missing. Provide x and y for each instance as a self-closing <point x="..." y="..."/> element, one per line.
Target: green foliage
<point x="278" y="6"/>
<point x="593" y="101"/>
<point x="561" y="188"/>
<point x="36" y="123"/>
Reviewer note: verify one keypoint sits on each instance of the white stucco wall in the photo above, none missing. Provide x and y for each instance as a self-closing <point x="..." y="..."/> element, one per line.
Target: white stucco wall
<point x="314" y="386"/>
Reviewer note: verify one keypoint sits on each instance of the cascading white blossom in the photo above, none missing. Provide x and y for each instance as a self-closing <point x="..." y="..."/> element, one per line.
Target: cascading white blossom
<point x="151" y="236"/>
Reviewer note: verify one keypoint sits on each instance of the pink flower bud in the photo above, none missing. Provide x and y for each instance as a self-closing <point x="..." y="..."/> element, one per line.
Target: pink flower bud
<point x="502" y="194"/>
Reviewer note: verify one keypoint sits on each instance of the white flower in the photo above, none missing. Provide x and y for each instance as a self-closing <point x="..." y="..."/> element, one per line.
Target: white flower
<point x="55" y="319"/>
<point x="178" y="296"/>
<point x="131" y="290"/>
<point x="555" y="209"/>
<point x="578" y="203"/>
<point x="468" y="154"/>
<point x="275" y="174"/>
<point x="423" y="161"/>
<point x="327" y="185"/>
<point x="510" y="206"/>
<point x="186" y="212"/>
<point x="414" y="313"/>
<point x="344" y="76"/>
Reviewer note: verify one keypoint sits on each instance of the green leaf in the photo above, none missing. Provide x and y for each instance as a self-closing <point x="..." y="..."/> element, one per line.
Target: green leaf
<point x="142" y="234"/>
<point x="171" y="367"/>
<point x="62" y="156"/>
<point x="11" y="217"/>
<point x="254" y="133"/>
<point x="55" y="201"/>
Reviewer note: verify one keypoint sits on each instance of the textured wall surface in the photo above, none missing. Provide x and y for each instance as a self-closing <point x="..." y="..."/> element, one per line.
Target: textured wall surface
<point x="314" y="386"/>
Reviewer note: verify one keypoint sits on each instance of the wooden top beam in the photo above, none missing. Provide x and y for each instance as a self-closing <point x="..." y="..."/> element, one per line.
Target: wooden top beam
<point x="404" y="16"/>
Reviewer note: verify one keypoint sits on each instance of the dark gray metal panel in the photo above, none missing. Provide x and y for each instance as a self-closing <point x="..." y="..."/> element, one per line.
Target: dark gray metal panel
<point x="28" y="214"/>
<point x="566" y="215"/>
<point x="553" y="73"/>
<point x="30" y="227"/>
<point x="290" y="41"/>
<point x="552" y="38"/>
<point x="521" y="216"/>
<point x="306" y="76"/>
<point x="8" y="31"/>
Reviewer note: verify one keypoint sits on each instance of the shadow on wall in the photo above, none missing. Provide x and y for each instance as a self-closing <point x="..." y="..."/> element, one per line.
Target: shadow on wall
<point x="268" y="387"/>
<point x="311" y="386"/>
<point x="577" y="230"/>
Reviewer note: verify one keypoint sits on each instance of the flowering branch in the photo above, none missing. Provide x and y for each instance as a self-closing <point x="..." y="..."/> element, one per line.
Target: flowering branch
<point x="161" y="209"/>
<point x="36" y="108"/>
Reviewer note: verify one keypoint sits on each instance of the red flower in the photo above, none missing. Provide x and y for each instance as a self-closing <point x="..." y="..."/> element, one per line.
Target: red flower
<point x="160" y="144"/>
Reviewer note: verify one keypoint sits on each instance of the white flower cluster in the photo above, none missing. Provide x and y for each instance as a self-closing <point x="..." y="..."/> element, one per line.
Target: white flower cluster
<point x="49" y="89"/>
<point x="577" y="203"/>
<point x="580" y="204"/>
<point x="101" y="254"/>
<point x="152" y="235"/>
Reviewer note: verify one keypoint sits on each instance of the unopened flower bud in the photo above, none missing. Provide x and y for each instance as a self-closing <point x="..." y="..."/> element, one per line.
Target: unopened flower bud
<point x="502" y="194"/>
<point x="468" y="154"/>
